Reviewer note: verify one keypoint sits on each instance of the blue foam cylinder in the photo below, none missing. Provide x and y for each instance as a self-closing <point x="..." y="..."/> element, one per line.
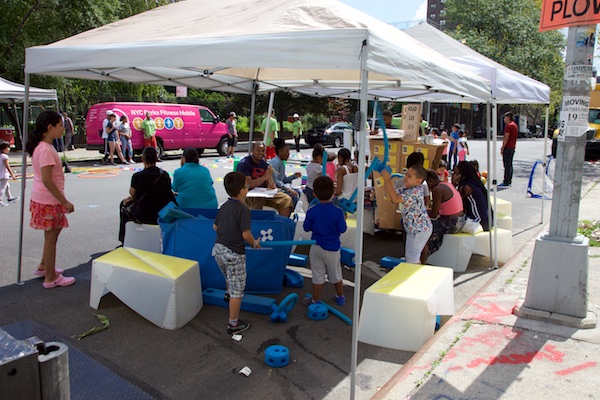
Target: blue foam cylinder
<point x="277" y="356"/>
<point x="252" y="303"/>
<point x="293" y="279"/>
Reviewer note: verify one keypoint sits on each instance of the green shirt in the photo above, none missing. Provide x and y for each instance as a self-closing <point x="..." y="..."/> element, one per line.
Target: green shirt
<point x="149" y="128"/>
<point x="297" y="128"/>
<point x="263" y="129"/>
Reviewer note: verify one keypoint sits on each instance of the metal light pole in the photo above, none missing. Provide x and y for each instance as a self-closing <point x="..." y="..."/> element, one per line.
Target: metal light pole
<point x="558" y="280"/>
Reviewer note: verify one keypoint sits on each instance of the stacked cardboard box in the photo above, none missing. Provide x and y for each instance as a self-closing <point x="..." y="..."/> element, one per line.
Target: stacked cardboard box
<point x="398" y="150"/>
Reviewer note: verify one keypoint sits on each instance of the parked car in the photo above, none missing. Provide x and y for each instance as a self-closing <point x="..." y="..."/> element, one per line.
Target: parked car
<point x="479" y="133"/>
<point x="328" y="134"/>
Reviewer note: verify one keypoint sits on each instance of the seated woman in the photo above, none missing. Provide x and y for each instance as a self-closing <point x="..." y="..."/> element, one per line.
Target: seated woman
<point x="347" y="175"/>
<point x="150" y="191"/>
<point x="447" y="215"/>
<point x="193" y="183"/>
<point x="473" y="193"/>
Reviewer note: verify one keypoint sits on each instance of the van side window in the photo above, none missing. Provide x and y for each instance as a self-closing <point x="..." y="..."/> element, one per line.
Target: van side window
<point x="206" y="116"/>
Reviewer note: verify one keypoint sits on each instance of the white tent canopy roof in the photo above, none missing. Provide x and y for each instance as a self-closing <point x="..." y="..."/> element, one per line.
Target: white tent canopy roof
<point x="13" y="92"/>
<point x="230" y="44"/>
<point x="508" y="86"/>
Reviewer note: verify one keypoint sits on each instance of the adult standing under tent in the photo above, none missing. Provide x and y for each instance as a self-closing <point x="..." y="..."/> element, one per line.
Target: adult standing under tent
<point x="232" y="135"/>
<point x="509" y="143"/>
<point x="270" y="135"/>
<point x="261" y="56"/>
<point x="297" y="131"/>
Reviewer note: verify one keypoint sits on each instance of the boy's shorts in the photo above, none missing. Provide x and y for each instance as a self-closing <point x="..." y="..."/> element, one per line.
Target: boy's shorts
<point x="233" y="268"/>
<point x="324" y="261"/>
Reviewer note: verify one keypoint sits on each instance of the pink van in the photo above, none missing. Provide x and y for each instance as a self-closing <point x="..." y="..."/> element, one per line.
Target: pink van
<point x="178" y="126"/>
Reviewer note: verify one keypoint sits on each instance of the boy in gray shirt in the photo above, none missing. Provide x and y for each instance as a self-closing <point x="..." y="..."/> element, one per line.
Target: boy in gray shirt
<point x="232" y="225"/>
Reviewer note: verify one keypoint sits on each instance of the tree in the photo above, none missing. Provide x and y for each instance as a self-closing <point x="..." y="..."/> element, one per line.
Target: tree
<point x="507" y="32"/>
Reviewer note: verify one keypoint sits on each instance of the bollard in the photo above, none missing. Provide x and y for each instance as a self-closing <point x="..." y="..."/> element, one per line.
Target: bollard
<point x="54" y="371"/>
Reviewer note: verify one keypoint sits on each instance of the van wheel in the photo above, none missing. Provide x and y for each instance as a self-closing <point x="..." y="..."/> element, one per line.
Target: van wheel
<point x="222" y="146"/>
<point x="161" y="147"/>
<point x="200" y="150"/>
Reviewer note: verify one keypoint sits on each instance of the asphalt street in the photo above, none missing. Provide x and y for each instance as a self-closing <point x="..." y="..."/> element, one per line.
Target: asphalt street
<point x="200" y="358"/>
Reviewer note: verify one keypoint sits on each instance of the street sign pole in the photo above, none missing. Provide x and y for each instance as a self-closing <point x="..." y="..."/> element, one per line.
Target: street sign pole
<point x="558" y="280"/>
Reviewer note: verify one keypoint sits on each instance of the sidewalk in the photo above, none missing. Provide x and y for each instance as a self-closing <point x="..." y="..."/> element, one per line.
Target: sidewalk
<point x="486" y="352"/>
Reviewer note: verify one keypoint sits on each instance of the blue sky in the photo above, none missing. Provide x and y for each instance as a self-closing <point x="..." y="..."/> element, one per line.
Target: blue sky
<point x="391" y="10"/>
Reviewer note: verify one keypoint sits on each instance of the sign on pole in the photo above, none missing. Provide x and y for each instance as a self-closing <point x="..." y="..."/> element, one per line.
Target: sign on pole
<point x="563" y="13"/>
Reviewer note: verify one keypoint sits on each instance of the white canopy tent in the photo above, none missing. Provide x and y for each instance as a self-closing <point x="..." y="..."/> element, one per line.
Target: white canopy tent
<point x="507" y="87"/>
<point x="11" y="92"/>
<point x="244" y="46"/>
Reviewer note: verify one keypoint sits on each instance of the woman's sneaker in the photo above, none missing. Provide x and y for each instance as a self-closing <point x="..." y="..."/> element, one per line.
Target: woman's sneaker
<point x="239" y="328"/>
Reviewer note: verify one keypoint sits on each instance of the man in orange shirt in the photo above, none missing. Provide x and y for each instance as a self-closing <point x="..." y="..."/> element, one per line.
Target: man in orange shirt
<point x="511" y="131"/>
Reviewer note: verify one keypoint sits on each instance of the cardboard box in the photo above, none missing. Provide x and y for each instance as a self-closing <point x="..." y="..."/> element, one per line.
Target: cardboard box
<point x="399" y="150"/>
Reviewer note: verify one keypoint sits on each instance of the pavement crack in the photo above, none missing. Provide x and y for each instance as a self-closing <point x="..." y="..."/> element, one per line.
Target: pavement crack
<point x="293" y="334"/>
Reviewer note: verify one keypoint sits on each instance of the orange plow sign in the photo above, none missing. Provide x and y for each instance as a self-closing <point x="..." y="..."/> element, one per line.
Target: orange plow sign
<point x="563" y="13"/>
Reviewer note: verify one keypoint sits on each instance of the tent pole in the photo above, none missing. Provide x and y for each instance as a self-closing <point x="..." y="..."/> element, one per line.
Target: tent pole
<point x="360" y="206"/>
<point x="544" y="161"/>
<point x="488" y="129"/>
<point x="23" y="177"/>
<point x="252" y="110"/>
<point x="494" y="179"/>
<point x="269" y="111"/>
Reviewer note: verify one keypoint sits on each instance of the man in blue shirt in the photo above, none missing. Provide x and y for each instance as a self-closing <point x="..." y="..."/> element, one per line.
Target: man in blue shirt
<point x="279" y="178"/>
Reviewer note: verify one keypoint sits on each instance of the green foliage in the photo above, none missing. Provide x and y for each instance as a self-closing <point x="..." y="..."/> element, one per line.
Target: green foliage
<point x="507" y="31"/>
<point x="586" y="228"/>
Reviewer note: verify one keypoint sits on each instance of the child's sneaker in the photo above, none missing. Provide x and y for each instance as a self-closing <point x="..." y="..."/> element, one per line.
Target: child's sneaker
<point x="239" y="328"/>
<point x="307" y="301"/>
<point x="3" y="204"/>
<point x="340" y="300"/>
<point x="12" y="199"/>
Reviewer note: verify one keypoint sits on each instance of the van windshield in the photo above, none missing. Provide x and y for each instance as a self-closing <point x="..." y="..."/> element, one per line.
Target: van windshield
<point x="594" y="116"/>
<point x="206" y="116"/>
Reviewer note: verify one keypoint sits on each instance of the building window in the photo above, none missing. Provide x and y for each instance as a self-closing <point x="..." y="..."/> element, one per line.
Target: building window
<point x="433" y="5"/>
<point x="442" y="13"/>
<point x="442" y="1"/>
<point x="443" y="22"/>
<point x="432" y="16"/>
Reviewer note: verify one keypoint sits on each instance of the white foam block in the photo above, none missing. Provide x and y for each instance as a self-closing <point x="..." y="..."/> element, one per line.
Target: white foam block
<point x="163" y="289"/>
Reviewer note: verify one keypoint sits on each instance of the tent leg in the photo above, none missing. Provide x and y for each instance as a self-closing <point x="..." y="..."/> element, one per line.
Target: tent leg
<point x="252" y="109"/>
<point x="360" y="206"/>
<point x="489" y="128"/>
<point x="23" y="178"/>
<point x="494" y="180"/>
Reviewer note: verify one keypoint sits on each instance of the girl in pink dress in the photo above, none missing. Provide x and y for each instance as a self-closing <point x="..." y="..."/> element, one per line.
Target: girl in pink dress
<point x="48" y="203"/>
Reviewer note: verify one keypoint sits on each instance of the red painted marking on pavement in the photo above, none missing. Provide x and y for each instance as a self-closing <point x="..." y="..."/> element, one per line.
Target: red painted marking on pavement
<point x="456" y="368"/>
<point x="576" y="368"/>
<point x="515" y="359"/>
<point x="491" y="339"/>
<point x="490" y="313"/>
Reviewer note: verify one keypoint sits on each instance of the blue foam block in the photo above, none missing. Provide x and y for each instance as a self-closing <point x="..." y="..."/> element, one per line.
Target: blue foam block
<point x="347" y="256"/>
<point x="252" y="303"/>
<point x="293" y="279"/>
<point x="298" y="260"/>
<point x="390" y="262"/>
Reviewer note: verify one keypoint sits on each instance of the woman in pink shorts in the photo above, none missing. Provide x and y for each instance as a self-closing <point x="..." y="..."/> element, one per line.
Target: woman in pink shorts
<point x="48" y="203"/>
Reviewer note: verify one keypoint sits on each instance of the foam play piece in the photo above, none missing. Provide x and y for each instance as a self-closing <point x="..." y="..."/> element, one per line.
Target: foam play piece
<point x="171" y="212"/>
<point x="399" y="310"/>
<point x="482" y="244"/>
<point x="143" y="237"/>
<point x="283" y="243"/>
<point x="332" y="310"/>
<point x="277" y="356"/>
<point x="298" y="260"/>
<point x="250" y="302"/>
<point x="347" y="256"/>
<point x="390" y="262"/>
<point x="281" y="311"/>
<point x="317" y="311"/>
<point x="504" y="222"/>
<point x="503" y="206"/>
<point x="455" y="252"/>
<point x="163" y="289"/>
<point x="293" y="279"/>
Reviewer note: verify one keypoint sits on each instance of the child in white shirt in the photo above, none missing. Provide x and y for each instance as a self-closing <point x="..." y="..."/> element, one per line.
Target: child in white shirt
<point x="5" y="174"/>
